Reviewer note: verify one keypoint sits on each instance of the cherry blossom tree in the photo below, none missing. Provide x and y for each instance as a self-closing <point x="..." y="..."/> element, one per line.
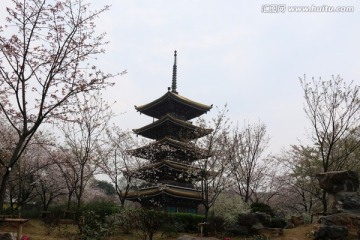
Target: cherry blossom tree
<point x="214" y="171"/>
<point x="49" y="185"/>
<point x="67" y="168"/>
<point x="7" y="140"/>
<point x="248" y="165"/>
<point x="117" y="163"/>
<point x="83" y="136"/>
<point x="301" y="193"/>
<point x="23" y="179"/>
<point x="333" y="109"/>
<point x="114" y="160"/>
<point x="47" y="55"/>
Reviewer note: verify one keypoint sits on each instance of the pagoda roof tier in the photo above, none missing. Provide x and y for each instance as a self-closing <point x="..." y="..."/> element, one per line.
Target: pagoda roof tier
<point x="172" y="102"/>
<point x="171" y="126"/>
<point x="169" y="190"/>
<point x="166" y="168"/>
<point x="168" y="148"/>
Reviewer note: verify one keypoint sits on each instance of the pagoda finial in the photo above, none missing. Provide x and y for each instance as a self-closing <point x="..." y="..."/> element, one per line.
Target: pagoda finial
<point x="173" y="87"/>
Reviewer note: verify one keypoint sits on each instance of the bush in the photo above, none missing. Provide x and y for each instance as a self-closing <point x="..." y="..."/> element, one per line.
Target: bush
<point x="50" y="223"/>
<point x="147" y="222"/>
<point x="93" y="224"/>
<point x="30" y="210"/>
<point x="248" y="223"/>
<point x="59" y="210"/>
<point x="122" y="220"/>
<point x="100" y="208"/>
<point x="217" y="224"/>
<point x="262" y="207"/>
<point x="235" y="231"/>
<point x="171" y="226"/>
<point x="277" y="223"/>
<point x="188" y="221"/>
<point x="93" y="227"/>
<point x="247" y="219"/>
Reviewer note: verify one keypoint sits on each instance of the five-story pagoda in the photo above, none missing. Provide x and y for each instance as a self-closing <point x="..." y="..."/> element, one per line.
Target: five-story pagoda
<point x="169" y="174"/>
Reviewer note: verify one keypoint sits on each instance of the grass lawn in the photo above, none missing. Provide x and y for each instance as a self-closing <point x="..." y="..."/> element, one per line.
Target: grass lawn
<point x="35" y="230"/>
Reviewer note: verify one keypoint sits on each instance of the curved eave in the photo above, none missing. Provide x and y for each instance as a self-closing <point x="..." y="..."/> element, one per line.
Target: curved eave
<point x="149" y="108"/>
<point x="168" y="190"/>
<point x="166" y="146"/>
<point x="161" y="128"/>
<point x="165" y="165"/>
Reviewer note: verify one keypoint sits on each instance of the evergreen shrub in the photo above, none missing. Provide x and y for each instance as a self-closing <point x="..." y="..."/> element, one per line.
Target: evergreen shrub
<point x="188" y="221"/>
<point x="277" y="223"/>
<point x="93" y="227"/>
<point x="262" y="207"/>
<point x="101" y="208"/>
<point x="93" y="222"/>
<point x="147" y="222"/>
<point x="58" y="210"/>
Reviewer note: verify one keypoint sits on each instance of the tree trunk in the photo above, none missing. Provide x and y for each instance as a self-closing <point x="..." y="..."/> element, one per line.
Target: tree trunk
<point x="81" y="188"/>
<point x="69" y="199"/>
<point x="15" y="156"/>
<point x="206" y="228"/>
<point x="122" y="201"/>
<point x="3" y="185"/>
<point x="47" y="203"/>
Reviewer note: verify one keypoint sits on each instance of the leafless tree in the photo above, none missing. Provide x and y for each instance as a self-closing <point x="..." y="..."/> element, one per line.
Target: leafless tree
<point x="47" y="51"/>
<point x="332" y="108"/>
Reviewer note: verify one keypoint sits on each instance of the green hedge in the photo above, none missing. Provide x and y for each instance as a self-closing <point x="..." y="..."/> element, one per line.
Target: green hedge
<point x="100" y="208"/>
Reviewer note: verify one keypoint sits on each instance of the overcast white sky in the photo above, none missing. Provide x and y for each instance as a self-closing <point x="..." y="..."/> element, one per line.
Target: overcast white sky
<point x="228" y="52"/>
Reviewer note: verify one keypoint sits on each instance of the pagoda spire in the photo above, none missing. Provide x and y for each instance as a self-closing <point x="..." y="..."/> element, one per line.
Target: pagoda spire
<point x="173" y="86"/>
